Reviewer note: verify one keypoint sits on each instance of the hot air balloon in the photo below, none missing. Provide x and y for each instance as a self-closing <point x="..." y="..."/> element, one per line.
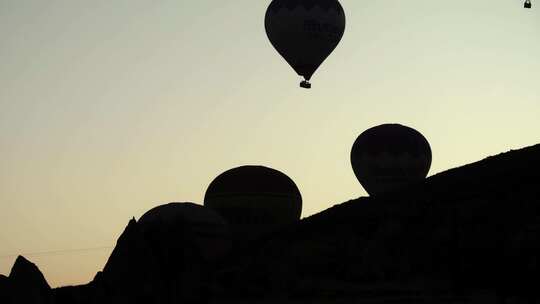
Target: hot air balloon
<point x="254" y="200"/>
<point x="390" y="156"/>
<point x="180" y="244"/>
<point x="305" y="32"/>
<point x="173" y="227"/>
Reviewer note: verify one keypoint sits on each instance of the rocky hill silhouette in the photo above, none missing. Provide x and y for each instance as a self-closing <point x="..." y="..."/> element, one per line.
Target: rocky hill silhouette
<point x="25" y="284"/>
<point x="473" y="230"/>
<point x="467" y="235"/>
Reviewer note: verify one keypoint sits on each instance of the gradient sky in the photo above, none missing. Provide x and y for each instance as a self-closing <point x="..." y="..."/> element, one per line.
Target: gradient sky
<point x="109" y="108"/>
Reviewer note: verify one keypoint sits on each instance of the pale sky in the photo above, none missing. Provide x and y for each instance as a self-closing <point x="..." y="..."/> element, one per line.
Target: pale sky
<point x="109" y="108"/>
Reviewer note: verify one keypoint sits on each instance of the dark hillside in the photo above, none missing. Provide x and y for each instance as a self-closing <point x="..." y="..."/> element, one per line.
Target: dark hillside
<point x="467" y="235"/>
<point x="467" y="230"/>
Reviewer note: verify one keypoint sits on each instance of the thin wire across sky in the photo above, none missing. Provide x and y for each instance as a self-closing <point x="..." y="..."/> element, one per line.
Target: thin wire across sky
<point x="56" y="252"/>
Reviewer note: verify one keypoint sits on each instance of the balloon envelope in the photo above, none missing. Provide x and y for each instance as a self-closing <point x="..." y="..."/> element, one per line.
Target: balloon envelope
<point x="305" y="32"/>
<point x="390" y="156"/>
<point x="254" y="199"/>
<point x="184" y="241"/>
<point x="173" y="227"/>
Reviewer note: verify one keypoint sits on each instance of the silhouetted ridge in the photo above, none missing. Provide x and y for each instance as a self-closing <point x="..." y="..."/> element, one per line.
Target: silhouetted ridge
<point x="501" y="173"/>
<point x="505" y="172"/>
<point x="4" y="289"/>
<point x="464" y="231"/>
<point x="165" y="257"/>
<point x="131" y="261"/>
<point x="27" y="284"/>
<point x="466" y="235"/>
<point x="24" y="271"/>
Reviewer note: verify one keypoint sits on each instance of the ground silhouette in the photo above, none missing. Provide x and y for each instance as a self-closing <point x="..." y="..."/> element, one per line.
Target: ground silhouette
<point x="467" y="235"/>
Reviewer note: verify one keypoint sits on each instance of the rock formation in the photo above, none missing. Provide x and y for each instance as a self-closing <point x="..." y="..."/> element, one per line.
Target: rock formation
<point x="165" y="257"/>
<point x="26" y="284"/>
<point x="467" y="235"/>
<point x="131" y="268"/>
<point x="471" y="231"/>
<point x="4" y="288"/>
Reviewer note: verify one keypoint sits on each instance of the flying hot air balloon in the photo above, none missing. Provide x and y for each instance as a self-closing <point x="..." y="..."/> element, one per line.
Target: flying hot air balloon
<point x="390" y="156"/>
<point x="305" y="32"/>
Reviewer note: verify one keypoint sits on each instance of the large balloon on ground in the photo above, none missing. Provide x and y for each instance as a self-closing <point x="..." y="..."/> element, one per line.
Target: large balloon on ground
<point x="254" y="199"/>
<point x="174" y="228"/>
<point x="175" y="243"/>
<point x="305" y="32"/>
<point x="390" y="156"/>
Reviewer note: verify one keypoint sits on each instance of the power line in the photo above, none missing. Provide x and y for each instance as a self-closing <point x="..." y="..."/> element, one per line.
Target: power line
<point x="56" y="252"/>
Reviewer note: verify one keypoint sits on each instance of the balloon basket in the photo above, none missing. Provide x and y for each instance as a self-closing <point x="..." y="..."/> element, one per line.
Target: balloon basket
<point x="305" y="84"/>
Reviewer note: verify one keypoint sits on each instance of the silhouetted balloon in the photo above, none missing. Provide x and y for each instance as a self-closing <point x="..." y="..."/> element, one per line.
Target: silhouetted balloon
<point x="305" y="32"/>
<point x="172" y="228"/>
<point x="254" y="199"/>
<point x="390" y="156"/>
